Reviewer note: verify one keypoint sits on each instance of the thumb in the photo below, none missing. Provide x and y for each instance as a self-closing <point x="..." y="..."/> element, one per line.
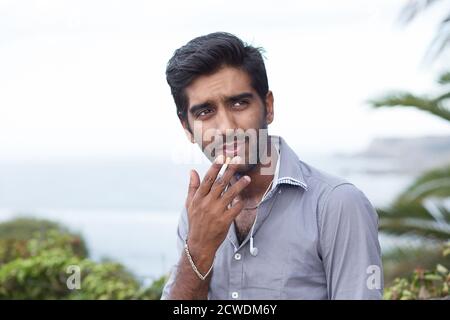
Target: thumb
<point x="194" y="184"/>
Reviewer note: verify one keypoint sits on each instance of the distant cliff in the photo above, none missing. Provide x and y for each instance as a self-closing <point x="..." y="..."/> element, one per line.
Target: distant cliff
<point x="409" y="155"/>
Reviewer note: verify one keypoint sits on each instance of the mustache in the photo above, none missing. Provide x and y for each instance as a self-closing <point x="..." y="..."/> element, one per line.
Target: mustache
<point x="223" y="141"/>
<point x="220" y="143"/>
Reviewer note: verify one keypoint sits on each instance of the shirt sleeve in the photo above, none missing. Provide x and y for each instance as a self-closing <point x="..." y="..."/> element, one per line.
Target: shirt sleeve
<point x="182" y="231"/>
<point x="349" y="245"/>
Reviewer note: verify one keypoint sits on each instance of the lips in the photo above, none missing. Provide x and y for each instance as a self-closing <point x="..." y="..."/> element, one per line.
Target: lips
<point x="232" y="150"/>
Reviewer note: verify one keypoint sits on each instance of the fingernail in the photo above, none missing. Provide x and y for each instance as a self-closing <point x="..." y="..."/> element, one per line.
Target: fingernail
<point x="219" y="159"/>
<point x="236" y="160"/>
<point x="247" y="178"/>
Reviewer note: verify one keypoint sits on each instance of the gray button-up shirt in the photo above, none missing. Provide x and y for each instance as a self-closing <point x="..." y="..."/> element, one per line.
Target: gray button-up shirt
<point x="317" y="238"/>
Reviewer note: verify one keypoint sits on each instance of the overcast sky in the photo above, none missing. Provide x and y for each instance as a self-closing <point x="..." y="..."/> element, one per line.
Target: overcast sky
<point x="86" y="78"/>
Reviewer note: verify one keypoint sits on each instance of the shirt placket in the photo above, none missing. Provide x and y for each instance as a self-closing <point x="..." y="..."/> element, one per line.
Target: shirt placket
<point x="238" y="258"/>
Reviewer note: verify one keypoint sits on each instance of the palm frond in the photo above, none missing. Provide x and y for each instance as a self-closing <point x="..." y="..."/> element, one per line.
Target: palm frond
<point x="406" y="99"/>
<point x="428" y="230"/>
<point x="418" y="210"/>
<point x="405" y="211"/>
<point x="444" y="78"/>
<point x="433" y="183"/>
<point x="441" y="98"/>
<point x="441" y="39"/>
<point x="413" y="8"/>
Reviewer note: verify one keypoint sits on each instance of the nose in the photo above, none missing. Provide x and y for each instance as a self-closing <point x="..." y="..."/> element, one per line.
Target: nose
<point x="225" y="121"/>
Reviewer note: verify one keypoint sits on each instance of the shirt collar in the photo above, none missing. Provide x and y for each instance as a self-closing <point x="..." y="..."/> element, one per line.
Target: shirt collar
<point x="277" y="168"/>
<point x="288" y="170"/>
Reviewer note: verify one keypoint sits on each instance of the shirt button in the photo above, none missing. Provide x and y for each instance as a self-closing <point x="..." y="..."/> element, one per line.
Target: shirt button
<point x="237" y="256"/>
<point x="235" y="295"/>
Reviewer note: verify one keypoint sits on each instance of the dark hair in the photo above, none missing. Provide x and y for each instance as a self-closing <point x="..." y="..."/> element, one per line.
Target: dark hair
<point x="205" y="55"/>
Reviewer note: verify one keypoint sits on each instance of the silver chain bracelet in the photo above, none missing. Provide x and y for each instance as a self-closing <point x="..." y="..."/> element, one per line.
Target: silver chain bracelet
<point x="202" y="277"/>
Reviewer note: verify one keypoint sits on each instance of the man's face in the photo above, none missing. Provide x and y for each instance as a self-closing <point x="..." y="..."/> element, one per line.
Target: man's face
<point x="226" y="116"/>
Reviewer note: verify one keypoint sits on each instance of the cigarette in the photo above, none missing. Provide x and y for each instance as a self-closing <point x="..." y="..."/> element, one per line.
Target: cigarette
<point x="224" y="167"/>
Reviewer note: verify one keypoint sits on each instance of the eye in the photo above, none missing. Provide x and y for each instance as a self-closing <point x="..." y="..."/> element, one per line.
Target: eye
<point x="203" y="113"/>
<point x="240" y="103"/>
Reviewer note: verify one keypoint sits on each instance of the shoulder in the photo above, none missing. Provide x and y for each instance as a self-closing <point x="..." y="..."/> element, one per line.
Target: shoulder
<point x="317" y="178"/>
<point x="324" y="186"/>
<point x="334" y="195"/>
<point x="347" y="206"/>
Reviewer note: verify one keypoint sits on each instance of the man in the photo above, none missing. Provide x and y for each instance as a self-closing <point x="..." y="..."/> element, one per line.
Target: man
<point x="271" y="226"/>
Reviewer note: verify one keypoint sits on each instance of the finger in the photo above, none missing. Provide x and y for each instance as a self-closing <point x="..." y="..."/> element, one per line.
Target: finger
<point x="222" y="182"/>
<point x="194" y="183"/>
<point x="233" y="179"/>
<point x="210" y="176"/>
<point x="235" y="189"/>
<point x="234" y="211"/>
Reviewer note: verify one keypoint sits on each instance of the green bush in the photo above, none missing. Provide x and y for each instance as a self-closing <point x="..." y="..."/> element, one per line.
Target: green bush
<point x="15" y="234"/>
<point x="35" y="265"/>
<point x="107" y="281"/>
<point x="41" y="276"/>
<point x="154" y="291"/>
<point x="422" y="284"/>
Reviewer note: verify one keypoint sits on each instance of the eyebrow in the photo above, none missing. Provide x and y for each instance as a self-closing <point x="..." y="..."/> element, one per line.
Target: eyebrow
<point x="231" y="99"/>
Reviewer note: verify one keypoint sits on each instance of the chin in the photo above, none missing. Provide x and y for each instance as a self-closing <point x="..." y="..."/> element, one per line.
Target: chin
<point x="244" y="168"/>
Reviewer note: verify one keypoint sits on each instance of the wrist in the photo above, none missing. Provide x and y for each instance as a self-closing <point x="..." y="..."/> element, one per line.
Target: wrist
<point x="202" y="256"/>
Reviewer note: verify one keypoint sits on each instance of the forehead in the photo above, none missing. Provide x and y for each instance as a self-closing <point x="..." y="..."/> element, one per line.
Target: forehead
<point x="226" y="82"/>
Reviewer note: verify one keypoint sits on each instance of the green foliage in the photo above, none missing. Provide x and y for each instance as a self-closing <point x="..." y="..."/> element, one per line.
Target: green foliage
<point x="399" y="261"/>
<point x="23" y="228"/>
<point x="15" y="234"/>
<point x="409" y="214"/>
<point x="444" y="78"/>
<point x="436" y="104"/>
<point x="422" y="284"/>
<point x="106" y="281"/>
<point x="41" y="276"/>
<point x="154" y="291"/>
<point x="35" y="266"/>
<point x="433" y="183"/>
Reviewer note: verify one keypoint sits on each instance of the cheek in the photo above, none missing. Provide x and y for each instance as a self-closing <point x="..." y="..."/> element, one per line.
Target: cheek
<point x="205" y="138"/>
<point x="207" y="134"/>
<point x="199" y="131"/>
<point x="253" y="118"/>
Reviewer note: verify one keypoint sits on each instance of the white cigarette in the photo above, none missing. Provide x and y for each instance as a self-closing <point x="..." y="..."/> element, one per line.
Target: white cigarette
<point x="224" y="166"/>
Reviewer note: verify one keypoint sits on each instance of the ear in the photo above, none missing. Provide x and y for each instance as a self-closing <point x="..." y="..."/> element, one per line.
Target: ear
<point x="269" y="107"/>
<point x="189" y="135"/>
